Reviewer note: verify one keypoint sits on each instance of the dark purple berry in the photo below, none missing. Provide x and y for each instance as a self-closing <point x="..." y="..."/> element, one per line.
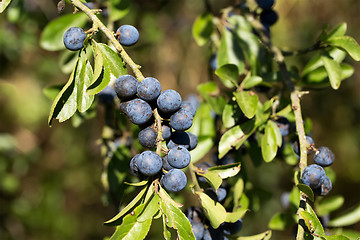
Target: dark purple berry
<point x="134" y="165"/>
<point x="175" y="180"/>
<point x="213" y="62"/>
<point x="232" y="228"/>
<point x="107" y="95"/>
<point x="313" y="175"/>
<point x="179" y="157"/>
<point x="149" y="163"/>
<point x="147" y="137"/>
<point x="193" y="140"/>
<point x="284" y="126"/>
<point x="128" y="35"/>
<point x="198" y="229"/>
<point x="187" y="105"/>
<point x="179" y="139"/>
<point x="310" y="144"/>
<point x="149" y="89"/>
<point x="325" y="187"/>
<point x="221" y="194"/>
<point x="324" y="157"/>
<point x="138" y="111"/>
<point x="181" y="120"/>
<point x="169" y="101"/>
<point x="166" y="164"/>
<point x="166" y="132"/>
<point x="194" y="100"/>
<point x="126" y="86"/>
<point x="265" y="4"/>
<point x="268" y="17"/>
<point x="74" y="38"/>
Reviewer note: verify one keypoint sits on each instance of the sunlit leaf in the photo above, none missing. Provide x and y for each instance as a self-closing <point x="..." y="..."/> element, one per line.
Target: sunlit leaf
<point x="262" y="236"/>
<point x="84" y="100"/>
<point x="4" y="4"/>
<point x="226" y="171"/>
<point x="212" y="178"/>
<point x="334" y="71"/>
<point x="203" y="28"/>
<point x="213" y="210"/>
<point x="329" y="205"/>
<point x="337" y="31"/>
<point x="228" y="74"/>
<point x="151" y="207"/>
<point x="248" y="102"/>
<point x="347" y="43"/>
<point x="119" y="9"/>
<point x="268" y="143"/>
<point x="307" y="190"/>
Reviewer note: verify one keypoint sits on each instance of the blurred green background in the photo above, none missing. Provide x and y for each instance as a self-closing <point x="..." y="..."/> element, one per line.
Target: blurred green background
<point x="50" y="177"/>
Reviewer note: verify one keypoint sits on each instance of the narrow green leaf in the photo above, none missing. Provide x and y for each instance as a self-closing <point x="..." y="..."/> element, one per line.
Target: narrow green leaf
<point x="112" y="60"/>
<point x="228" y="116"/>
<point x="262" y="236"/>
<point x="228" y="74"/>
<point x="312" y="222"/>
<point x="176" y="219"/>
<point x="213" y="210"/>
<point x="52" y="36"/>
<point x="211" y="94"/>
<point x="226" y="171"/>
<point x="336" y="237"/>
<point x="277" y="132"/>
<point x="63" y="97"/>
<point x="334" y="71"/>
<point x="251" y="81"/>
<point x="203" y="28"/>
<point x="328" y="205"/>
<point x="165" y="197"/>
<point x="150" y="208"/>
<point x="166" y="232"/>
<point x="337" y="31"/>
<point x="119" y="9"/>
<point x="130" y="228"/>
<point x="346" y="219"/>
<point x="238" y="192"/>
<point x="307" y="190"/>
<point x="130" y="206"/>
<point x="248" y="102"/>
<point x="138" y="184"/>
<point x="203" y="122"/>
<point x="212" y="178"/>
<point x="236" y="215"/>
<point x="347" y="43"/>
<point x="268" y="143"/>
<point x="4" y="4"/>
<point x="84" y="100"/>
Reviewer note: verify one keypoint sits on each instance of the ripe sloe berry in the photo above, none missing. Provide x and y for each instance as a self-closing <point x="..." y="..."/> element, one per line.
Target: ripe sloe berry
<point x="193" y="140"/>
<point x="126" y="86"/>
<point x="166" y="132"/>
<point x="310" y="143"/>
<point x="198" y="229"/>
<point x="74" y="38"/>
<point x="214" y="234"/>
<point x="188" y="106"/>
<point x="324" y="157"/>
<point x="325" y="187"/>
<point x="232" y="228"/>
<point x="265" y="4"/>
<point x="284" y="126"/>
<point x="213" y="62"/>
<point x="179" y="157"/>
<point x="179" y="139"/>
<point x="169" y="101"/>
<point x="194" y="213"/>
<point x="134" y="165"/>
<point x="147" y="137"/>
<point x="138" y="111"/>
<point x="149" y="163"/>
<point x="149" y="89"/>
<point x="175" y="180"/>
<point x="123" y="106"/>
<point x="313" y="175"/>
<point x="227" y="159"/>
<point x="107" y="95"/>
<point x="221" y="194"/>
<point x="128" y="35"/>
<point x="268" y="17"/>
<point x="181" y="120"/>
<point x="166" y="164"/>
<point x="193" y="99"/>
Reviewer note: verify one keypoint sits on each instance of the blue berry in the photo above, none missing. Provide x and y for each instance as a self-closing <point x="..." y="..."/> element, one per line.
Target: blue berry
<point x="169" y="101"/>
<point x="149" y="163"/>
<point x="198" y="229"/>
<point x="187" y="105"/>
<point x="126" y="86"/>
<point x="268" y="17"/>
<point x="325" y="187"/>
<point x="221" y="194"/>
<point x="223" y="161"/>
<point x="310" y="144"/>
<point x="175" y="180"/>
<point x="134" y="165"/>
<point x="74" y="38"/>
<point x="179" y="139"/>
<point x="232" y="228"/>
<point x="193" y="99"/>
<point x="179" y="157"/>
<point x="204" y="166"/>
<point x="181" y="120"/>
<point x="166" y="132"/>
<point x="214" y="234"/>
<point x="284" y="126"/>
<point x="147" y="137"/>
<point x="193" y="140"/>
<point x="107" y="95"/>
<point x="213" y="62"/>
<point x="313" y="175"/>
<point x="194" y="213"/>
<point x="166" y="164"/>
<point x="149" y="89"/>
<point x="324" y="157"/>
<point x="138" y="111"/>
<point x="123" y="106"/>
<point x="265" y="4"/>
<point x="128" y="35"/>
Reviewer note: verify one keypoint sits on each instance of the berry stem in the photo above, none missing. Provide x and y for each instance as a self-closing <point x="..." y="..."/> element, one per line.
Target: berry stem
<point x="110" y="35"/>
<point x="159" y="137"/>
<point x="194" y="178"/>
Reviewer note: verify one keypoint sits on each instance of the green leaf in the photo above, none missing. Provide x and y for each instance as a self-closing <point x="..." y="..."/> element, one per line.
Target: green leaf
<point x="228" y="74"/>
<point x="307" y="190"/>
<point x="312" y="223"/>
<point x="328" y="205"/>
<point x="336" y="237"/>
<point x="235" y="137"/>
<point x="238" y="192"/>
<point x="211" y="94"/>
<point x="212" y="178"/>
<point x="203" y="122"/>
<point x="204" y="146"/>
<point x="277" y="133"/>
<point x="248" y="102"/>
<point x="236" y="215"/>
<point x="52" y="36"/>
<point x="334" y="71"/>
<point x="203" y="28"/>
<point x="166" y="232"/>
<point x="213" y="210"/>
<point x="346" y="219"/>
<point x="165" y="197"/>
<point x="348" y="44"/>
<point x="262" y="236"/>
<point x="337" y="31"/>
<point x="130" y="228"/>
<point x="4" y="4"/>
<point x="251" y="81"/>
<point x="64" y="105"/>
<point x="130" y="206"/>
<point x="226" y="171"/>
<point x="150" y="209"/>
<point x="268" y="143"/>
<point x="138" y="184"/>
<point x="119" y="9"/>
<point x="231" y="115"/>
<point x="281" y="221"/>
<point x="102" y="75"/>
<point x="176" y="219"/>
<point x="112" y="60"/>
<point x="84" y="79"/>
<point x="230" y="52"/>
